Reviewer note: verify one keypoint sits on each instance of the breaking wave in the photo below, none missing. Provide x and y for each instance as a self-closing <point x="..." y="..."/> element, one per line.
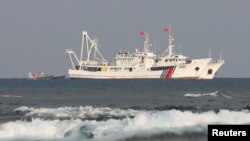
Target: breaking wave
<point x="87" y="112"/>
<point x="141" y="124"/>
<point x="213" y="94"/>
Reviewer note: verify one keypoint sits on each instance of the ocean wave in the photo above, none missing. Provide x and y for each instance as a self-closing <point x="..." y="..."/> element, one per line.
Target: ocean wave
<point x="143" y="124"/>
<point x="213" y="94"/>
<point x="87" y="112"/>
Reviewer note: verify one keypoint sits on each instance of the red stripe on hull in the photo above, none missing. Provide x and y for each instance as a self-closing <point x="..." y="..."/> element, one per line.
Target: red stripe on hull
<point x="170" y="72"/>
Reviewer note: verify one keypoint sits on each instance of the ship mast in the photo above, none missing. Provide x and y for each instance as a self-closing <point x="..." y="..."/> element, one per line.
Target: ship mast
<point x="170" y="44"/>
<point x="170" y="48"/>
<point x="146" y="43"/>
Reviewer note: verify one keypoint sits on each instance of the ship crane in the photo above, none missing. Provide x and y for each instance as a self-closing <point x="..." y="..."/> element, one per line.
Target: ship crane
<point x="70" y="52"/>
<point x="92" y="53"/>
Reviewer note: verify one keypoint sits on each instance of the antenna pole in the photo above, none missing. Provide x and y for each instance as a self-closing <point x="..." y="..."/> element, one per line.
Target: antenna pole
<point x="170" y="45"/>
<point x="154" y="44"/>
<point x="83" y="34"/>
<point x="220" y="57"/>
<point x="209" y="54"/>
<point x="146" y="43"/>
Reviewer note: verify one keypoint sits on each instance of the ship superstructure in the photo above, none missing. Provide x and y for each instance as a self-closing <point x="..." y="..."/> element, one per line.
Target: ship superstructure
<point x="139" y="65"/>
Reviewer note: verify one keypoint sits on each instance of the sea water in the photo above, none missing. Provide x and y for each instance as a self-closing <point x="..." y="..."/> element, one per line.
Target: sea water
<point x="119" y="110"/>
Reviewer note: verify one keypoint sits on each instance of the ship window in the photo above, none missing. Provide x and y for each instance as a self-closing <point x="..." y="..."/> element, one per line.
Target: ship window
<point x="197" y="68"/>
<point x="77" y="67"/>
<point x="210" y="71"/>
<point x="170" y="60"/>
<point x="115" y="69"/>
<point x="166" y="60"/>
<point x="188" y="61"/>
<point x="92" y="69"/>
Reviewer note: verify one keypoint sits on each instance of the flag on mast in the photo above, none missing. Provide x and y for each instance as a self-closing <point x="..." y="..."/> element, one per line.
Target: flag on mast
<point x="166" y="29"/>
<point x="142" y="33"/>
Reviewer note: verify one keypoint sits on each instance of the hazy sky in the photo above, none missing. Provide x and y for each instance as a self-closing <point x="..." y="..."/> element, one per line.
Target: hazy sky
<point x="35" y="33"/>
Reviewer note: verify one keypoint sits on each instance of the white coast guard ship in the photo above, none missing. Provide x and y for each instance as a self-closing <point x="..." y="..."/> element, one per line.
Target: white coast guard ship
<point x="140" y="64"/>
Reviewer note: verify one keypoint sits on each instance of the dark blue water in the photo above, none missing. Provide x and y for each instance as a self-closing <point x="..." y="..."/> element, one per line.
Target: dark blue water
<point x="111" y="110"/>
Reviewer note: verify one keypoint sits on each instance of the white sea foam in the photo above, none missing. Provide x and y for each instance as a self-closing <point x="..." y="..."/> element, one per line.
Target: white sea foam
<point x="7" y="96"/>
<point x="226" y="96"/>
<point x="145" y="123"/>
<point x="213" y="94"/>
<point x="77" y="112"/>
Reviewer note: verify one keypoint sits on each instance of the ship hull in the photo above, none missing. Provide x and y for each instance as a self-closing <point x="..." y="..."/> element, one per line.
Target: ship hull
<point x="197" y="69"/>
